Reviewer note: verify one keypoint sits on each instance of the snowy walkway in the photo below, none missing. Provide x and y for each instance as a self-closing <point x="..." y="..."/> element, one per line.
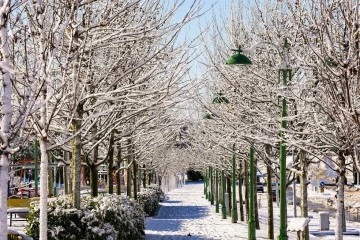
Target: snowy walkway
<point x="186" y="214"/>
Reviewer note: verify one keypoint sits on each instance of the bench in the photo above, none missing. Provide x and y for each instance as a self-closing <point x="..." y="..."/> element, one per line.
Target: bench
<point x="20" y="212"/>
<point x="298" y="225"/>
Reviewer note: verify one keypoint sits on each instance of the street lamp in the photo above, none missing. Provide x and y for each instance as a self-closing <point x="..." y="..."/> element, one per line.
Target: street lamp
<point x="234" y="216"/>
<point x="284" y="76"/>
<point x="252" y="224"/>
<point x="223" y="206"/>
<point x="211" y="193"/>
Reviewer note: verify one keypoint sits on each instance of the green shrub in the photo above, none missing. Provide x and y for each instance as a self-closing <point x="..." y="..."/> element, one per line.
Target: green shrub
<point x="158" y="190"/>
<point x="149" y="198"/>
<point x="105" y="217"/>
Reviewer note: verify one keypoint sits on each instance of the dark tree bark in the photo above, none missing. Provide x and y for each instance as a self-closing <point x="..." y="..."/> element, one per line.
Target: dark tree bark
<point x="303" y="191"/>
<point x="246" y="183"/>
<point x="270" y="202"/>
<point x="118" y="164"/>
<point x="256" y="207"/>
<point x="111" y="164"/>
<point x="241" y="201"/>
<point x="94" y="180"/>
<point x="135" y="183"/>
<point x="228" y="189"/>
<point x="144" y="176"/>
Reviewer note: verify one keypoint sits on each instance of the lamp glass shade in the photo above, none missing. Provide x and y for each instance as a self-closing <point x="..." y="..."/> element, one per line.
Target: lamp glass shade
<point x="239" y="59"/>
<point x="207" y="116"/>
<point x="220" y="99"/>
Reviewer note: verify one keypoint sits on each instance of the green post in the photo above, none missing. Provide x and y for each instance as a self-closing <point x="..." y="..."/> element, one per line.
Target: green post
<point x="223" y="207"/>
<point x="252" y="224"/>
<point x="283" y="210"/>
<point x="211" y="193"/>
<point x="206" y="184"/>
<point x="286" y="75"/>
<point x="204" y="177"/>
<point x="36" y="163"/>
<point x="234" y="216"/>
<point x="216" y="191"/>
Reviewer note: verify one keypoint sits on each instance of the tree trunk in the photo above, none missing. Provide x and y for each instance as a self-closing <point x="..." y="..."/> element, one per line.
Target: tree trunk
<point x="355" y="175"/>
<point x="144" y="177"/>
<point x="269" y="202"/>
<point x="94" y="180"/>
<point x="241" y="201"/>
<point x="158" y="179"/>
<point x="139" y="178"/>
<point x="256" y="208"/>
<point x="303" y="191"/>
<point x="246" y="183"/>
<point x="340" y="225"/>
<point x="228" y="189"/>
<point x="118" y="172"/>
<point x="150" y="177"/>
<point x="66" y="173"/>
<point x="4" y="178"/>
<point x="128" y="182"/>
<point x="129" y="169"/>
<point x="43" y="189"/>
<point x="76" y="158"/>
<point x="110" y="175"/>
<point x="135" y="172"/>
<point x="51" y="176"/>
<point x="7" y="112"/>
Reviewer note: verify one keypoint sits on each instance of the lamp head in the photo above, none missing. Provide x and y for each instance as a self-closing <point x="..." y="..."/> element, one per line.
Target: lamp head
<point x="220" y="99"/>
<point x="238" y="58"/>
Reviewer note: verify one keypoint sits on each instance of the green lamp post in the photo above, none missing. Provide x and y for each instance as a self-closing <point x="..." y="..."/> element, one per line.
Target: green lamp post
<point x="206" y="184"/>
<point x="234" y="216"/>
<point x="239" y="58"/>
<point x="211" y="194"/>
<point x="223" y="207"/>
<point x="204" y="177"/>
<point x="216" y="191"/>
<point x="252" y="224"/>
<point x="284" y="76"/>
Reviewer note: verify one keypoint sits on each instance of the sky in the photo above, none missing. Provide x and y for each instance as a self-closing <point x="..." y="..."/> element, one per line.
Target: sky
<point x="192" y="30"/>
<point x="209" y="7"/>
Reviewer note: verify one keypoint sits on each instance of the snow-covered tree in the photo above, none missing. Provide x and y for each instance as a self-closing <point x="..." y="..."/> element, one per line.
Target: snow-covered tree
<point x="330" y="37"/>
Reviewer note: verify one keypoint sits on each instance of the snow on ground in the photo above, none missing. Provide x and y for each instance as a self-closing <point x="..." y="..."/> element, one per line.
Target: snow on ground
<point x="186" y="214"/>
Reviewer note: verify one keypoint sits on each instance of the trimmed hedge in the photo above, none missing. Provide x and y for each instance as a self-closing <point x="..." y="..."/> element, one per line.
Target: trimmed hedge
<point x="150" y="199"/>
<point x="105" y="217"/>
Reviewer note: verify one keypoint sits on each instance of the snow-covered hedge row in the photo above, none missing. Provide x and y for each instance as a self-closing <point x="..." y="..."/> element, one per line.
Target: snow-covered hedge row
<point x="150" y="198"/>
<point x="158" y="190"/>
<point x="110" y="217"/>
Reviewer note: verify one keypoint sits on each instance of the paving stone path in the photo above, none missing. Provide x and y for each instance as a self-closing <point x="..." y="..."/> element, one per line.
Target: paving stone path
<point x="186" y="214"/>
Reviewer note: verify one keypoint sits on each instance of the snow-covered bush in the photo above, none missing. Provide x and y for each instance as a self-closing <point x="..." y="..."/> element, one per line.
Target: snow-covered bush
<point x="158" y="190"/>
<point x="110" y="217"/>
<point x="149" y="198"/>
